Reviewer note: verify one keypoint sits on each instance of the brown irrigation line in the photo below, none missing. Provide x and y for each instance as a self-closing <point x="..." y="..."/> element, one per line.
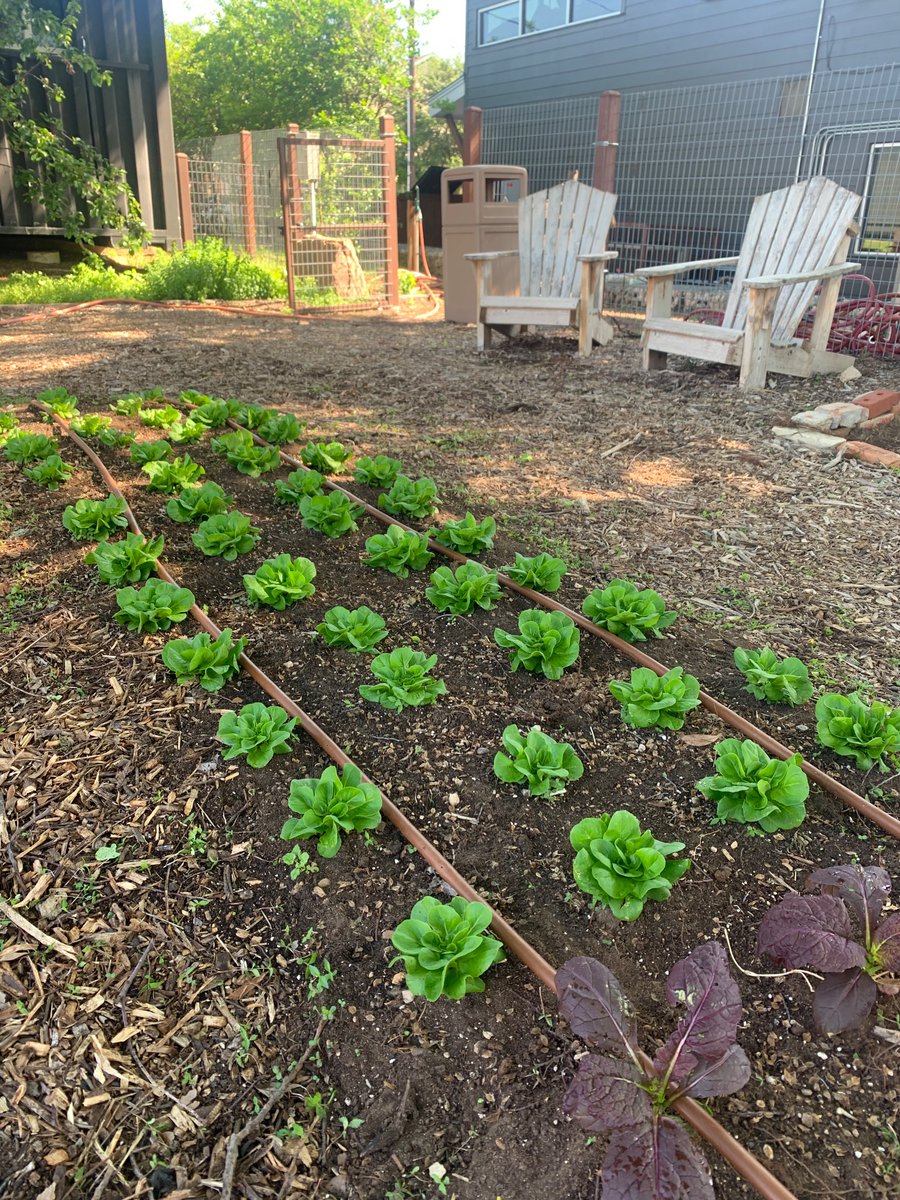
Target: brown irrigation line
<point x="744" y="1163"/>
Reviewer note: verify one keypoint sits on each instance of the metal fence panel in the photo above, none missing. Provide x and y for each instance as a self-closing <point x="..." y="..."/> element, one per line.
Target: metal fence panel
<point x="552" y="140"/>
<point x="217" y="198"/>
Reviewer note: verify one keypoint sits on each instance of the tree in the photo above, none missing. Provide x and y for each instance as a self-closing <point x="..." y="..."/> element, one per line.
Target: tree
<point x="435" y="144"/>
<point x="75" y="184"/>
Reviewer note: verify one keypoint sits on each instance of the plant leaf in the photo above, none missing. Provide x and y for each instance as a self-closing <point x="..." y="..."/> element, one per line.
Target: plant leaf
<point x="606" y="1094"/>
<point x="720" y="1078"/>
<point x="592" y="1001"/>
<point x="863" y="889"/>
<point x="811" y="932"/>
<point x="658" y="1162"/>
<point x="843" y="1001"/>
<point x="887" y="943"/>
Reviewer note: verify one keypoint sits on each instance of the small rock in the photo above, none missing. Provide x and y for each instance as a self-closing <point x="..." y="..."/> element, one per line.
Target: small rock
<point x="849" y="374"/>
<point x="339" y="1186"/>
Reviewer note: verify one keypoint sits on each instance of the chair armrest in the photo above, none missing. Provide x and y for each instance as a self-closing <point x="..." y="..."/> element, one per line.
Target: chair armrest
<point x="490" y="255"/>
<point x="677" y="268"/>
<point x="604" y="257"/>
<point x="777" y="281"/>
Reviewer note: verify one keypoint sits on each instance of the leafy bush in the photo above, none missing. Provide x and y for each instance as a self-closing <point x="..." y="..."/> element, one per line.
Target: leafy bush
<point x="444" y="948"/>
<point x="327" y="457"/>
<point x="297" y="485"/>
<point x="331" y="514"/>
<point x="142" y="453"/>
<point x="208" y="270"/>
<point x="89" y="520"/>
<point x="536" y="759"/>
<point x="864" y="732"/>
<point x="380" y="471"/>
<point x="174" y="476"/>
<point x="29" y="447"/>
<point x="52" y="473"/>
<point x="751" y="788"/>
<point x="225" y="535"/>
<point x="780" y="681"/>
<point x="622" y="866"/>
<point x="816" y="933"/>
<point x="543" y="572"/>
<point x="359" y="630"/>
<point x="155" y="606"/>
<point x="280" y="581"/>
<point x="468" y="536"/>
<point x="398" y="551"/>
<point x="90" y="280"/>
<point x="208" y="661"/>
<point x="60" y="401"/>
<point x="410" y="498"/>
<point x="331" y="805"/>
<point x="210" y="411"/>
<point x="115" y="438"/>
<point x="651" y="700"/>
<point x="458" y="592"/>
<point x="91" y="425"/>
<point x="258" y="732"/>
<point x="280" y="428"/>
<point x="627" y="612"/>
<point x="198" y="501"/>
<point x="127" y="561"/>
<point x="546" y="642"/>
<point x="405" y="680"/>
<point x="160" y="418"/>
<point x="185" y="433"/>
<point x="128" y="405"/>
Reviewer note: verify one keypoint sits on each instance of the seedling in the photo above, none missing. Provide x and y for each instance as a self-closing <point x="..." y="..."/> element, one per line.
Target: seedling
<point x="204" y="660"/>
<point x="656" y="701"/>
<point x="751" y="788"/>
<point x="91" y="425"/>
<point x="29" y="447"/>
<point x="547" y="642"/>
<point x="280" y="428"/>
<point x="226" y="535"/>
<point x="298" y="485"/>
<point x="780" y="681"/>
<point x="629" y="613"/>
<point x="327" y="457"/>
<point x="380" y="471"/>
<point x="128" y="560"/>
<point x="458" y="592"/>
<point x="172" y="476"/>
<point x="88" y="520"/>
<point x="468" y="536"/>
<point x="60" y="401"/>
<point x="52" y="473"/>
<point x="444" y="948"/>
<point x="332" y="514"/>
<point x="536" y="759"/>
<point x="148" y="452"/>
<point x="198" y="501"/>
<point x="867" y="733"/>
<point x="185" y="433"/>
<point x="410" y="498"/>
<point x="398" y="551"/>
<point x="157" y="605"/>
<point x="280" y="581"/>
<point x="128" y="405"/>
<point x="543" y="572"/>
<point x="405" y="680"/>
<point x="330" y="805"/>
<point x="257" y="731"/>
<point x="160" y="418"/>
<point x="360" y="630"/>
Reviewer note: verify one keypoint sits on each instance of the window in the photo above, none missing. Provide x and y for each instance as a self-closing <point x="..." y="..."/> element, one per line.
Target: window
<point x="881" y="228"/>
<point x="500" y="22"/>
<point x="545" y="14"/>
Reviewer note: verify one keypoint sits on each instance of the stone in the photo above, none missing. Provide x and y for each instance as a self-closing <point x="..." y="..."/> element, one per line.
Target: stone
<point x="809" y="439"/>
<point x="331" y="262"/>
<point x="849" y="375"/>
<point x="878" y="402"/>
<point x="840" y="414"/>
<point x="813" y="418"/>
<point x="876" y="455"/>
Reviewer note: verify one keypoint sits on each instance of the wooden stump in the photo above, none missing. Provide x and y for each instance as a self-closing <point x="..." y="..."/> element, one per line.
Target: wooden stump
<point x="333" y="263"/>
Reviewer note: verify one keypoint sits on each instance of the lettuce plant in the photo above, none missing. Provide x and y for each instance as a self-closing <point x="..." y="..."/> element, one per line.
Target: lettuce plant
<point x="90" y="520"/>
<point x="142" y="453"/>
<point x="543" y="572"/>
<point x="153" y="395"/>
<point x="60" y="401"/>
<point x="29" y="447"/>
<point x="468" y="536"/>
<point x="91" y="425"/>
<point x="184" y="433"/>
<point x="650" y="700"/>
<point x="332" y="514"/>
<point x="405" y="680"/>
<point x="258" y="732"/>
<point x="778" y="680"/>
<point x="129" y="560"/>
<point x="410" y="497"/>
<point x="398" y="551"/>
<point x="864" y="732"/>
<point x="211" y="662"/>
<point x="52" y="473"/>
<point x="198" y="501"/>
<point x="9" y="427"/>
<point x="280" y="581"/>
<point x="252" y="415"/>
<point x="165" y="476"/>
<point x="128" y="405"/>
<point x="327" y="457"/>
<point x="157" y="605"/>
<point x="160" y="418"/>
<point x="751" y="788"/>
<point x="331" y="805"/>
<point x="298" y="485"/>
<point x="842" y="933"/>
<point x="536" y="759"/>
<point x="547" y="642"/>
<point x="280" y="428"/>
<point x="360" y="630"/>
<point x="225" y="535"/>
<point x="458" y="592"/>
<point x="242" y="453"/>
<point x="444" y="948"/>
<point x="649" y="1153"/>
<point x="233" y="442"/>
<point x="380" y="471"/>
<point x="629" y="613"/>
<point x="210" y="411"/>
<point x="116" y="439"/>
<point x="623" y="866"/>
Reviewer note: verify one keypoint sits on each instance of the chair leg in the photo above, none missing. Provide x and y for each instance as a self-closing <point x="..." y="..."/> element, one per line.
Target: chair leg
<point x="654" y="360"/>
<point x="757" y="339"/>
<point x="484" y="336"/>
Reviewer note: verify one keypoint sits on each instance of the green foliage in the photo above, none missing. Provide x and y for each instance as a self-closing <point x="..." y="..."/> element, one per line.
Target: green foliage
<point x="543" y="572"/>
<point x="280" y="581"/>
<point x="160" y="418"/>
<point x="226" y="535"/>
<point x="864" y="732"/>
<point x="332" y="514"/>
<point x="91" y="425"/>
<point x="52" y="473"/>
<point x="444" y="948"/>
<point x="468" y="536"/>
<point x="89" y="280"/>
<point x="297" y="485"/>
<point x="93" y="519"/>
<point x="458" y="592"/>
<point x="629" y="613"/>
<point x="410" y="497"/>
<point x="327" y="457"/>
<point x="233" y="442"/>
<point x="148" y="452"/>
<point x="207" y="269"/>
<point x="254" y="460"/>
<point x="650" y="700"/>
<point x="60" y="401"/>
<point x="621" y="866"/>
<point x="405" y="680"/>
<point x="202" y="659"/>
<point x="9" y="427"/>
<point x="198" y="501"/>
<point x="398" y="551"/>
<point x="115" y="438"/>
<point x="280" y="428"/>
<point x="331" y="805"/>
<point x="751" y="788"/>
<point x="128" y="405"/>
<point x="380" y="471"/>
<point x="210" y="411"/>
<point x="185" y="433"/>
<point x="780" y="681"/>
<point x="359" y="630"/>
<point x="127" y="561"/>
<point x="547" y="642"/>
<point x="252" y="415"/>
<point x="536" y="759"/>
<point x="29" y="447"/>
<point x="157" y="605"/>
<point x="172" y="476"/>
<point x="258" y="732"/>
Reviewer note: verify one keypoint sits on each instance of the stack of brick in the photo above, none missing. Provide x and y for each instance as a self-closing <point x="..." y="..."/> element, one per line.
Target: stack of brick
<point x="828" y="426"/>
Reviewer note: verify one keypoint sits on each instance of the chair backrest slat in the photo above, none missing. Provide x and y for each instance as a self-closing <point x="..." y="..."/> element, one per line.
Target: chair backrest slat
<point x="555" y="226"/>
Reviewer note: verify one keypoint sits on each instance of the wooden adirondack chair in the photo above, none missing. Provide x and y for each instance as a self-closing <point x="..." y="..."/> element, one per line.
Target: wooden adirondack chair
<point x="561" y="230"/>
<point x="796" y="240"/>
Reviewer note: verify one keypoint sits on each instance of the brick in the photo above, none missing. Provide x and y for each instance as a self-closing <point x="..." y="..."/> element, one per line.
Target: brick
<point x="878" y="402"/>
<point x="809" y="439"/>
<point x="866" y="452"/>
<point x="884" y="419"/>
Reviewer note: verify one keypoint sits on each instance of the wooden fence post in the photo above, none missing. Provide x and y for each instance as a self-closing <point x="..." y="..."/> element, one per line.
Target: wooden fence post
<point x="390" y="211"/>
<point x="185" y="211"/>
<point x="607" y="144"/>
<point x="472" y="121"/>
<point x="248" y="206"/>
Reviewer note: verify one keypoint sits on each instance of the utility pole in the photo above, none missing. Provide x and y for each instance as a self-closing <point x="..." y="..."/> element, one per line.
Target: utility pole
<point x="412" y="209"/>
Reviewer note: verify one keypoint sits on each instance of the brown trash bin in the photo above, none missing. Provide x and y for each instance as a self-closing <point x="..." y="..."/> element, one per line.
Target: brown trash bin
<point x="479" y="212"/>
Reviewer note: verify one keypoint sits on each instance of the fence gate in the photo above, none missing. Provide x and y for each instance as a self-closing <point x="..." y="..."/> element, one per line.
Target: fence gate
<point x="339" y="197"/>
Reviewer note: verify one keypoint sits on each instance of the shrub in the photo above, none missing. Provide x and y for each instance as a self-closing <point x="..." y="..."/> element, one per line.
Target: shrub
<point x="780" y="681"/>
<point x="405" y="680"/>
<point x="157" y="605"/>
<point x="198" y="501"/>
<point x="751" y="788"/>
<point x="128" y="405"/>
<point x="410" y="498"/>
<point x="160" y="418"/>
<point x="331" y="805"/>
<point x="380" y="471"/>
<point x="627" y="612"/>
<point x="547" y="642"/>
<point x="89" y="520"/>
<point x="458" y="592"/>
<point x="444" y="948"/>
<point x="622" y="866"/>
<point x="142" y="453"/>
<point x="127" y="561"/>
<point x="297" y="485"/>
<point x="280" y="581"/>
<point x="60" y="401"/>
<point x="864" y="732"/>
<point x="398" y="551"/>
<point x="52" y="473"/>
<point x="280" y="428"/>
<point x="174" y="476"/>
<point x="91" y="425"/>
<point x="327" y="457"/>
<point x="651" y="700"/>
<point x="468" y="536"/>
<point x="185" y="433"/>
<point x="258" y="732"/>
<point x="536" y="759"/>
<point x="543" y="572"/>
<point x="332" y="514"/>
<point x="29" y="447"/>
<point x="360" y="630"/>
<point x="210" y="662"/>
<point x="208" y="270"/>
<point x="225" y="535"/>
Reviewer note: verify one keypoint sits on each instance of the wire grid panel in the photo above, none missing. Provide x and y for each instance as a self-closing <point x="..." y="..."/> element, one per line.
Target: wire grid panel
<point x="552" y="140"/>
<point x="217" y="199"/>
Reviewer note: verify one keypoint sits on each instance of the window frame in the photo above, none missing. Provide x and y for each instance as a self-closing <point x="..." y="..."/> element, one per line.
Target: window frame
<point x="871" y="171"/>
<point x="523" y="33"/>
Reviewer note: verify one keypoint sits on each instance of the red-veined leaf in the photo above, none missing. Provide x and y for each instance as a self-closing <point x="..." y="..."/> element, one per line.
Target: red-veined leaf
<point x="728" y="1074"/>
<point x="606" y="1094"/>
<point x="592" y="1001"/>
<point x="887" y="943"/>
<point x="844" y="1001"/>
<point x="812" y="932"/>
<point x="657" y="1162"/>
<point x="864" y="889"/>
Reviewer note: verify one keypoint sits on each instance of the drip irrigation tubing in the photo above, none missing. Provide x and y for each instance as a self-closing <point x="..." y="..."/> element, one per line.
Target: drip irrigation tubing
<point x="743" y="1162"/>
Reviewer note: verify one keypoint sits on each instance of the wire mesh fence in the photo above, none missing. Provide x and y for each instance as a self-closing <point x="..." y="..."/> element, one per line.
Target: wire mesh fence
<point x="553" y="140"/>
<point x="220" y="208"/>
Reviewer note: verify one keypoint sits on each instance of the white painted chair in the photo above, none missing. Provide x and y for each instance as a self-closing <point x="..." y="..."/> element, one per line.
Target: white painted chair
<point x="562" y="263"/>
<point x="796" y="240"/>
